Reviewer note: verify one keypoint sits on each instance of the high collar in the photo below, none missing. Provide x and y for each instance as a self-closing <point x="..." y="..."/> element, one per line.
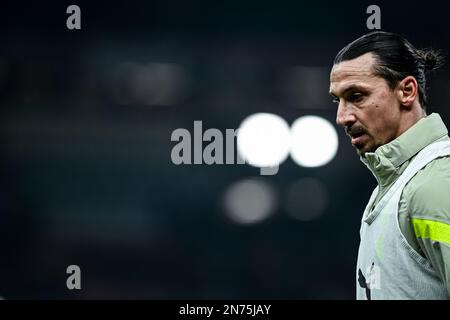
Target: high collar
<point x="386" y="161"/>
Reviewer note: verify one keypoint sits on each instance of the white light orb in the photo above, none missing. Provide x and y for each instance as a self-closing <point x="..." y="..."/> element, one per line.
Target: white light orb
<point x="264" y="140"/>
<point x="314" y="141"/>
<point x="249" y="201"/>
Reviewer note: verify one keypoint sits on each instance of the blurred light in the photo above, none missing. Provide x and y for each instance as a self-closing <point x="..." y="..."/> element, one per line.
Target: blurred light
<point x="159" y="84"/>
<point x="249" y="201"/>
<point x="151" y="84"/>
<point x="314" y="141"/>
<point x="263" y="140"/>
<point x="306" y="199"/>
<point x="304" y="87"/>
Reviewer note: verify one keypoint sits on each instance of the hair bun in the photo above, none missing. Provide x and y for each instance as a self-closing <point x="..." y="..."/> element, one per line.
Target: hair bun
<point x="431" y="59"/>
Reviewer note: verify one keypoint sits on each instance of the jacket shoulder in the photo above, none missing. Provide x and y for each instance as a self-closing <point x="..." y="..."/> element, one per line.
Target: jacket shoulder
<point x="427" y="194"/>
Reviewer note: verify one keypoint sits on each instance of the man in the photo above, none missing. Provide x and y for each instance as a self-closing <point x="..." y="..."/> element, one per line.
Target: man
<point x="379" y="84"/>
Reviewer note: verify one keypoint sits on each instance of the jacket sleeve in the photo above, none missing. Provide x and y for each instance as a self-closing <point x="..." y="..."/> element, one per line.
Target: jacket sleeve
<point x="427" y="205"/>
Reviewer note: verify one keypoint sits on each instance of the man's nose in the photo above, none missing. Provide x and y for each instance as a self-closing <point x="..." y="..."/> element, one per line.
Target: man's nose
<point x="344" y="116"/>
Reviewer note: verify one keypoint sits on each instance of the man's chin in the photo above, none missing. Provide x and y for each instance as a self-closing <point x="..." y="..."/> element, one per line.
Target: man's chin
<point x="363" y="149"/>
<point x="360" y="153"/>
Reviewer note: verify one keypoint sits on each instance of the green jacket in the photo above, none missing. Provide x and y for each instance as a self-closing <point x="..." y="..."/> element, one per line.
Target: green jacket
<point x="424" y="207"/>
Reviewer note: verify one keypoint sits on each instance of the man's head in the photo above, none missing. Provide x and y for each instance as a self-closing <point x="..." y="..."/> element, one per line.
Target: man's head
<point x="379" y="82"/>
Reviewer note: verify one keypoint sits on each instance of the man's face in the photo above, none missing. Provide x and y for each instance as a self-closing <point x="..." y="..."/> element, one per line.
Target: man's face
<point x="368" y="109"/>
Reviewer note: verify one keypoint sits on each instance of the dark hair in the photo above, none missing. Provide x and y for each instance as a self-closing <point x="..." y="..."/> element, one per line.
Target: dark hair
<point x="396" y="59"/>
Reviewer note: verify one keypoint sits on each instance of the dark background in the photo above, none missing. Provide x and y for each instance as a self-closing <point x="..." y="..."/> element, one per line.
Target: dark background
<point x="86" y="176"/>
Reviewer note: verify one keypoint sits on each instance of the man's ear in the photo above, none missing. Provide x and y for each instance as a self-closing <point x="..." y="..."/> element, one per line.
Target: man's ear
<point x="407" y="91"/>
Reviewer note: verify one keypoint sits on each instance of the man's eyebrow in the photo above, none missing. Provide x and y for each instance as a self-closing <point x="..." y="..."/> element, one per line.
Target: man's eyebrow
<point x="350" y="88"/>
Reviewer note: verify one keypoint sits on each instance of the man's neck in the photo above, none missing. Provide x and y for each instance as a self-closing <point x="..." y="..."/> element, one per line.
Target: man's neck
<point x="410" y="118"/>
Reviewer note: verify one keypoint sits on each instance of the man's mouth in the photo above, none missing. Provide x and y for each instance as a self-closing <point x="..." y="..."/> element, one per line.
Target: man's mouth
<point x="357" y="138"/>
<point x="356" y="135"/>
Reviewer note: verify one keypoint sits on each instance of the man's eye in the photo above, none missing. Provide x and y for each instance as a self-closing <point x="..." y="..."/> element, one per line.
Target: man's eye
<point x="355" y="97"/>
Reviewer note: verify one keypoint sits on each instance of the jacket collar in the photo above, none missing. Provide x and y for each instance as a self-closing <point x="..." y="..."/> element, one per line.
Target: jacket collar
<point x="386" y="161"/>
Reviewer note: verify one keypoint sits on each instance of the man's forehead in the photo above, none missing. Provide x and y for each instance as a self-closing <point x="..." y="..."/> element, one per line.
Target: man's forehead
<point x="353" y="71"/>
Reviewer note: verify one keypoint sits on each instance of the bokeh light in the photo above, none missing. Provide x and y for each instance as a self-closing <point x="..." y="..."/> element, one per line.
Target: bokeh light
<point x="304" y="86"/>
<point x="249" y="201"/>
<point x="314" y="141"/>
<point x="152" y="84"/>
<point x="264" y="140"/>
